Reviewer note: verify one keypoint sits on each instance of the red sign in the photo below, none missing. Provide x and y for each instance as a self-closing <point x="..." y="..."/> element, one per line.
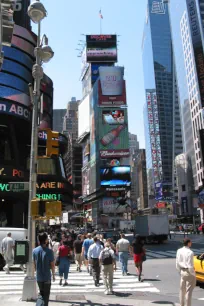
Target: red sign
<point x="161" y="205"/>
<point x="111" y="100"/>
<point x="114" y="153"/>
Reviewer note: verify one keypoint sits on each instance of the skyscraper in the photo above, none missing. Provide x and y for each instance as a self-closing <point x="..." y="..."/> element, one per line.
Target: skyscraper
<point x="161" y="111"/>
<point x="187" y="34"/>
<point x="70" y="121"/>
<point x="58" y="117"/>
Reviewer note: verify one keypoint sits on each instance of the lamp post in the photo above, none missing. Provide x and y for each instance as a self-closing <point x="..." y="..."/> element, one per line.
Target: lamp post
<point x="37" y="13"/>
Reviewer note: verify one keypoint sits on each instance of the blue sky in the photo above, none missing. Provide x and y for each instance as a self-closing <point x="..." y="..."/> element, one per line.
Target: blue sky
<point x="65" y="23"/>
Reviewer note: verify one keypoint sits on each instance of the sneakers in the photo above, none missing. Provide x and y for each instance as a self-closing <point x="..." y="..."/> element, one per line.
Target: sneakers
<point x="110" y="291"/>
<point x="65" y="284"/>
<point x="106" y="292"/>
<point x="77" y="268"/>
<point x="60" y="283"/>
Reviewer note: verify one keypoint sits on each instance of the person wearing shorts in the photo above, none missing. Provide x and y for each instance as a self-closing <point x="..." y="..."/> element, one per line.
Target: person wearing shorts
<point x="138" y="252"/>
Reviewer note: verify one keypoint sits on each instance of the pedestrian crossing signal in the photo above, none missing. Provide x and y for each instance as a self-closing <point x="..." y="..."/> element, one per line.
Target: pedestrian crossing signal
<point x="45" y="209"/>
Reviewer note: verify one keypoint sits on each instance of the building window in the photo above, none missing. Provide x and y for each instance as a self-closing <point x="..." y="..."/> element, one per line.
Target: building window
<point x="183" y="187"/>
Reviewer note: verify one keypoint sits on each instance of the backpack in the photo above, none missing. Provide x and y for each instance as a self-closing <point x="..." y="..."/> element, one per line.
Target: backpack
<point x="107" y="258"/>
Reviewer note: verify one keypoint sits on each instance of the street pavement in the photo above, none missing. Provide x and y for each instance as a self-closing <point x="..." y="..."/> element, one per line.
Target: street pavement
<point x="160" y="286"/>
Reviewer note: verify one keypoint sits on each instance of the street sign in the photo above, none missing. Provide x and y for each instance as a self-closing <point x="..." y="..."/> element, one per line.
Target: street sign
<point x="19" y="186"/>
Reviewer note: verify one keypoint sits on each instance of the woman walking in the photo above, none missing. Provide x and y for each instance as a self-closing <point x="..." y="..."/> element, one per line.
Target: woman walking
<point x="64" y="252"/>
<point x="139" y="252"/>
<point x="55" y="246"/>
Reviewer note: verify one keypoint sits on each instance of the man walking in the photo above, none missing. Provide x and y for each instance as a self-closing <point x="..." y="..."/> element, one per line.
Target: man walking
<point x="43" y="258"/>
<point x="7" y="251"/>
<point x="77" y="251"/>
<point x="93" y="257"/>
<point x="123" y="248"/>
<point x="184" y="264"/>
<point x="107" y="259"/>
<point x="85" y="247"/>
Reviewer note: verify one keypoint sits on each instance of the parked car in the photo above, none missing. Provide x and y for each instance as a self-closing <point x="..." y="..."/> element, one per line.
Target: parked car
<point x="199" y="268"/>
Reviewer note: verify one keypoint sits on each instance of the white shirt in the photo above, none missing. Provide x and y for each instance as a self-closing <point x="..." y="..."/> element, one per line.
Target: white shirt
<point x="184" y="259"/>
<point x="123" y="245"/>
<point x="94" y="250"/>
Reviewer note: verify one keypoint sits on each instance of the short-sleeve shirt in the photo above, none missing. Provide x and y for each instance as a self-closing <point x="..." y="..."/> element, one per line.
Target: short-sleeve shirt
<point x="43" y="258"/>
<point x="123" y="245"/>
<point x="78" y="246"/>
<point x="86" y="244"/>
<point x="64" y="250"/>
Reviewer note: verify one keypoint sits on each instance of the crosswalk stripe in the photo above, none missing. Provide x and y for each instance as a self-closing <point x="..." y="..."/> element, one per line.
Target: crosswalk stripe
<point x="78" y="282"/>
<point x="202" y="299"/>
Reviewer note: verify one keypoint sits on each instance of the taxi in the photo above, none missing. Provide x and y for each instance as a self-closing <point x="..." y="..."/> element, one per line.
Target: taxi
<point x="199" y="268"/>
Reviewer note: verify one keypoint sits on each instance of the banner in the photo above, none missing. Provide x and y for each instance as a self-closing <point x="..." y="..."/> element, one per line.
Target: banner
<point x="111" y="80"/>
<point x="110" y="205"/>
<point x="15" y="110"/>
<point x="113" y="133"/>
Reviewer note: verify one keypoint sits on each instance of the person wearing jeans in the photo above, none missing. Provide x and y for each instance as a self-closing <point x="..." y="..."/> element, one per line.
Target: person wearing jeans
<point x="44" y="261"/>
<point x="123" y="248"/>
<point x="64" y="264"/>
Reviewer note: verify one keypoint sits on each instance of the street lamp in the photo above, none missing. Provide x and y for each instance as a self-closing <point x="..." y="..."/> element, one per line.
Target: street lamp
<point x="43" y="53"/>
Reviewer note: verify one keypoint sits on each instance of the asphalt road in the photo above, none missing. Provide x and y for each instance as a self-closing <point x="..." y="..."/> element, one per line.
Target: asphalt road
<point x="161" y="272"/>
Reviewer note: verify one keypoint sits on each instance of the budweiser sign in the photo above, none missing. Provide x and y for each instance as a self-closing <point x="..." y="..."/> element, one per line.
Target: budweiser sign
<point x="114" y="153"/>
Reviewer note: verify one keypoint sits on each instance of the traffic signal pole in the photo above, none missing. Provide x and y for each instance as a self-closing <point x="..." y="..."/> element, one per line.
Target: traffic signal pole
<point x="29" y="289"/>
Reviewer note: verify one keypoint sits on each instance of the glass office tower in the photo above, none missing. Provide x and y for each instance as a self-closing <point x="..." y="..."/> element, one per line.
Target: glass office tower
<point x="161" y="111"/>
<point x="187" y="20"/>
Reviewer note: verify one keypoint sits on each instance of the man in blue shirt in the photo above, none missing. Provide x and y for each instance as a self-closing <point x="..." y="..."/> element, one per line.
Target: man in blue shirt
<point x="44" y="261"/>
<point x="85" y="247"/>
<point x="93" y="257"/>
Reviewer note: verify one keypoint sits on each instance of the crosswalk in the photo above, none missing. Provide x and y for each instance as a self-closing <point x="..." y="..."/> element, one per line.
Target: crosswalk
<point x="79" y="282"/>
<point x="167" y="253"/>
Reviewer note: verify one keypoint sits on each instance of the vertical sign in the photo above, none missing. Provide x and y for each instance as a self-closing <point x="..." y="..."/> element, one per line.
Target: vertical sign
<point x="154" y="133"/>
<point x="197" y="45"/>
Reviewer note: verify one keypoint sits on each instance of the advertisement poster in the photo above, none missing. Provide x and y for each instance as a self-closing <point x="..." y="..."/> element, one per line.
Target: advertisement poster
<point x="101" y="48"/>
<point x="95" y="70"/>
<point x="111" y="80"/>
<point x="113" y="133"/>
<point x="86" y="181"/>
<point x="110" y="205"/>
<point x="112" y="100"/>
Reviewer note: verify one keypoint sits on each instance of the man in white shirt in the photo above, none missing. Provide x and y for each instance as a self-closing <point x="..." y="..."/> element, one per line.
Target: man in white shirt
<point x="7" y="247"/>
<point x="184" y="264"/>
<point x="123" y="248"/>
<point x="93" y="257"/>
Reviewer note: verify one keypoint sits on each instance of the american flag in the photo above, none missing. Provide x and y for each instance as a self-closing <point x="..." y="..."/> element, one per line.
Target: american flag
<point x="100" y="14"/>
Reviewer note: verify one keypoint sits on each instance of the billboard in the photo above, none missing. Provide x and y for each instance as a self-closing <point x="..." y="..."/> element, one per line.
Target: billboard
<point x="15" y="109"/>
<point x="112" y="100"/>
<point x="110" y="205"/>
<point x="113" y="117"/>
<point x="111" y="80"/>
<point x="197" y="44"/>
<point x="84" y="116"/>
<point x="95" y="70"/>
<point x="101" y="48"/>
<point x="86" y="181"/>
<point x="115" y="176"/>
<point x="113" y="133"/>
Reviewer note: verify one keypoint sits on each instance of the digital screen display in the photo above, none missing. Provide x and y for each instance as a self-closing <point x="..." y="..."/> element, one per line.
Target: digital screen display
<point x="101" y="48"/>
<point x="115" y="176"/>
<point x="113" y="117"/>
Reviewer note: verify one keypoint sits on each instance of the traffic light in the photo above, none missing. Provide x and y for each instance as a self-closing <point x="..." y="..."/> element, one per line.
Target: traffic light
<point x="52" y="146"/>
<point x="40" y="208"/>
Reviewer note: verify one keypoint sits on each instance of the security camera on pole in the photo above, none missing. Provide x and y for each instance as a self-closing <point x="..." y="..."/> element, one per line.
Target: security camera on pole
<point x="43" y="53"/>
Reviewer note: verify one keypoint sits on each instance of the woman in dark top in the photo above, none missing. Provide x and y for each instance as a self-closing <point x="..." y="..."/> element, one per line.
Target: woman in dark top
<point x="138" y="251"/>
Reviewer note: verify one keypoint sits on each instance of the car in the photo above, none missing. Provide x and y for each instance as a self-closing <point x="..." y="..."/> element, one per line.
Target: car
<point x="199" y="268"/>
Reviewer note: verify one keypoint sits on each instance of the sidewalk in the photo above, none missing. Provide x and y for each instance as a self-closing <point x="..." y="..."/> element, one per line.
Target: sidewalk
<point x="89" y="300"/>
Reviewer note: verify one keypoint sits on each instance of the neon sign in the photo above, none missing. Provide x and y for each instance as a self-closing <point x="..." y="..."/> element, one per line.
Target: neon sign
<point x="11" y="172"/>
<point x="48" y="196"/>
<point x="50" y="185"/>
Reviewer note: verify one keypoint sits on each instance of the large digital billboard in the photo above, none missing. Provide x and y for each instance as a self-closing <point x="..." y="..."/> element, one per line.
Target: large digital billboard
<point x="84" y="116"/>
<point x="115" y="176"/>
<point x="113" y="133"/>
<point x="101" y="48"/>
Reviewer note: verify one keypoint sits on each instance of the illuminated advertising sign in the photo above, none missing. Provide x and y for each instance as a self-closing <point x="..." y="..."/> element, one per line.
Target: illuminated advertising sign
<point x="12" y="172"/>
<point x="154" y="132"/>
<point x="86" y="181"/>
<point x="15" y="110"/>
<point x="197" y="44"/>
<point x="115" y="176"/>
<point x="111" y="100"/>
<point x="113" y="138"/>
<point x="110" y="205"/>
<point x="111" y="80"/>
<point x="95" y="71"/>
<point x="113" y="117"/>
<point x="101" y="48"/>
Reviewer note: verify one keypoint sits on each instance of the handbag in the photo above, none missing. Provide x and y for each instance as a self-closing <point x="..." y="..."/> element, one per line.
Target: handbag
<point x="144" y="258"/>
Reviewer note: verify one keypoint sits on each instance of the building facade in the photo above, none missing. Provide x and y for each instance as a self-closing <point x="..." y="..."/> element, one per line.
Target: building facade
<point x="188" y="42"/>
<point x="163" y="134"/>
<point x="58" y="119"/>
<point x="134" y="152"/>
<point x="142" y="202"/>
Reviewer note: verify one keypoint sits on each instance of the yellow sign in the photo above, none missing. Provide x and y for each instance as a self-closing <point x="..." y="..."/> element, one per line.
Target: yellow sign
<point x="53" y="209"/>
